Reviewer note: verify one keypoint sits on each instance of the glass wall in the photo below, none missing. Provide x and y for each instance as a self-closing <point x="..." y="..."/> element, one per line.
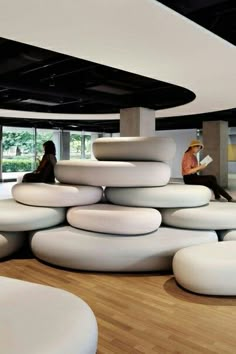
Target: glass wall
<point x="18" y="151"/>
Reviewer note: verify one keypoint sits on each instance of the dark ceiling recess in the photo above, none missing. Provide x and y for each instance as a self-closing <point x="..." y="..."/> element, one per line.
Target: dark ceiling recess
<point x="34" y="79"/>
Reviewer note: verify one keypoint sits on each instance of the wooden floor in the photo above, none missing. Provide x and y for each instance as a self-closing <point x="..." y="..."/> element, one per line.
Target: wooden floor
<point x="140" y="313"/>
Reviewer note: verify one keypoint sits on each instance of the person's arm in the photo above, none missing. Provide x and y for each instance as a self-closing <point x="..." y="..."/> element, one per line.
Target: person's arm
<point x="187" y="165"/>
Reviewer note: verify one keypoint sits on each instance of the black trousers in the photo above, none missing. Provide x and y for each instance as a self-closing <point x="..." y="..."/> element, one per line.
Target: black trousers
<point x="209" y="181"/>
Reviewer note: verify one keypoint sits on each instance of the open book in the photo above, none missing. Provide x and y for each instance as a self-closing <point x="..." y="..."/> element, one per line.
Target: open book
<point x="208" y="159"/>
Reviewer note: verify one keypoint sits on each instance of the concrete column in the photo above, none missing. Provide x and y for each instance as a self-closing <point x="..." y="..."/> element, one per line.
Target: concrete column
<point x="0" y="153"/>
<point x="65" y="145"/>
<point x="215" y="140"/>
<point x="137" y="121"/>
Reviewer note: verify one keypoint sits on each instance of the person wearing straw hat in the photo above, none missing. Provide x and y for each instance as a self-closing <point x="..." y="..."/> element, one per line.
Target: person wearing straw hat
<point x="191" y="167"/>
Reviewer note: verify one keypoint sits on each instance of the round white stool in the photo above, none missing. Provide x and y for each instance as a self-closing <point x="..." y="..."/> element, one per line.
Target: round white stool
<point x="41" y="319"/>
<point x="208" y="269"/>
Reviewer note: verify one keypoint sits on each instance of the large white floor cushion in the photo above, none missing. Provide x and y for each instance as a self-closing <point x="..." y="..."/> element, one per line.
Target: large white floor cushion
<point x="10" y="242"/>
<point x="18" y="217"/>
<point x="112" y="173"/>
<point x="134" y="148"/>
<point x="114" y="219"/>
<point x="207" y="269"/>
<point x="38" y="319"/>
<point x="214" y="216"/>
<point x="169" y="196"/>
<point x="56" y="195"/>
<point x="79" y="249"/>
<point x="227" y="235"/>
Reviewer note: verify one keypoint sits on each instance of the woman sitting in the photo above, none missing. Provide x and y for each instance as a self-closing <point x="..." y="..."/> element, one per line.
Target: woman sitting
<point x="191" y="167"/>
<point x="45" y="171"/>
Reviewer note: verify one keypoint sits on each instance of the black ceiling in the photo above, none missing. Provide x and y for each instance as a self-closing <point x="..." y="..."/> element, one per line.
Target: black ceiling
<point x="34" y="79"/>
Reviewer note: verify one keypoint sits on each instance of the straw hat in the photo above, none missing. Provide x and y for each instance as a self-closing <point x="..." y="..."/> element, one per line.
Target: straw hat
<point x="196" y="143"/>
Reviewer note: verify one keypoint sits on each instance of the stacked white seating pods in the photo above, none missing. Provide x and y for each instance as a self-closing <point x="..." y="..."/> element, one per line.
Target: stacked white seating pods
<point x="124" y="233"/>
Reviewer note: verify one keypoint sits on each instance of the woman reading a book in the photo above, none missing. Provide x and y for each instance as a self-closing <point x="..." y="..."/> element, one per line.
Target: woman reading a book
<point x="191" y="167"/>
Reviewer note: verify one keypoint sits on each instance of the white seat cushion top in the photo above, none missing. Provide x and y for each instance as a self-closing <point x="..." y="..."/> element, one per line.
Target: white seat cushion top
<point x="78" y="249"/>
<point x="56" y="195"/>
<point x="207" y="269"/>
<point x="37" y="319"/>
<point x="134" y="148"/>
<point x="115" y="219"/>
<point x="113" y="173"/>
<point x="18" y="217"/>
<point x="169" y="196"/>
<point x="214" y="216"/>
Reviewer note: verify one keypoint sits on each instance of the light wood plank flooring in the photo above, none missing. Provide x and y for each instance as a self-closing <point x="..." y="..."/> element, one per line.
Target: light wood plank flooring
<point x="140" y="313"/>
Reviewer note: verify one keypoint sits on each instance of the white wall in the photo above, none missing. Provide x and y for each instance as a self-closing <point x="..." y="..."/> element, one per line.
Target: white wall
<point x="182" y="139"/>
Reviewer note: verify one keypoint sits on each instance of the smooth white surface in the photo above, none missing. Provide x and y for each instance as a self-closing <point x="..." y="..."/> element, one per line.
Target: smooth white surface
<point x="55" y="195"/>
<point x="207" y="269"/>
<point x="79" y="249"/>
<point x="139" y="36"/>
<point x="112" y="173"/>
<point x="10" y="242"/>
<point x="114" y="219"/>
<point x="38" y="319"/>
<point x="214" y="216"/>
<point x="134" y="149"/>
<point x="169" y="196"/>
<point x="18" y="217"/>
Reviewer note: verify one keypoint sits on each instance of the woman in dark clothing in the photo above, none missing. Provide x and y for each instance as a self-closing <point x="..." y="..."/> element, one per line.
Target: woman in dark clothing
<point x="191" y="167"/>
<point x="45" y="171"/>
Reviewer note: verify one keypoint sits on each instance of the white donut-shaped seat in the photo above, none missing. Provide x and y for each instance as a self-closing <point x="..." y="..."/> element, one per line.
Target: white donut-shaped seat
<point x="41" y="319"/>
<point x="114" y="219"/>
<point x="169" y="196"/>
<point x="134" y="148"/>
<point x="56" y="195"/>
<point x="19" y="217"/>
<point x="79" y="249"/>
<point x="10" y="242"/>
<point x="207" y="269"/>
<point x="227" y="235"/>
<point x="214" y="216"/>
<point x="112" y="173"/>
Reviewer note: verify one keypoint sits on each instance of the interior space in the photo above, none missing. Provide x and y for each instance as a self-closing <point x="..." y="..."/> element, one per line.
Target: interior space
<point x="117" y="177"/>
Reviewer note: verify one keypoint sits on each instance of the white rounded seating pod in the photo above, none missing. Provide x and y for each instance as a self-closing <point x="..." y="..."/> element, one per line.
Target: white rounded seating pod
<point x="112" y="173"/>
<point x="10" y="242"/>
<point x="41" y="319"/>
<point x="169" y="196"/>
<point x="227" y="235"/>
<point x="208" y="269"/>
<point x="134" y="148"/>
<point x="115" y="219"/>
<point x="56" y="195"/>
<point x="68" y="247"/>
<point x="19" y="217"/>
<point x="214" y="216"/>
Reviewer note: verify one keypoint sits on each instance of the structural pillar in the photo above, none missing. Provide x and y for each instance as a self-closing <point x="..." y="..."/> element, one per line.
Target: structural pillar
<point x="215" y="140"/>
<point x="65" y="145"/>
<point x="137" y="121"/>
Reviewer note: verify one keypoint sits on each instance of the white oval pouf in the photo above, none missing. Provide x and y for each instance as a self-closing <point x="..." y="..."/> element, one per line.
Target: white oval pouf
<point x="207" y="269"/>
<point x="114" y="219"/>
<point x="214" y="216"/>
<point x="169" y="196"/>
<point x="56" y="195"/>
<point x="38" y="319"/>
<point x="19" y="217"/>
<point x="227" y="235"/>
<point x="84" y="250"/>
<point x="134" y="148"/>
<point x="112" y="173"/>
<point x="10" y="242"/>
